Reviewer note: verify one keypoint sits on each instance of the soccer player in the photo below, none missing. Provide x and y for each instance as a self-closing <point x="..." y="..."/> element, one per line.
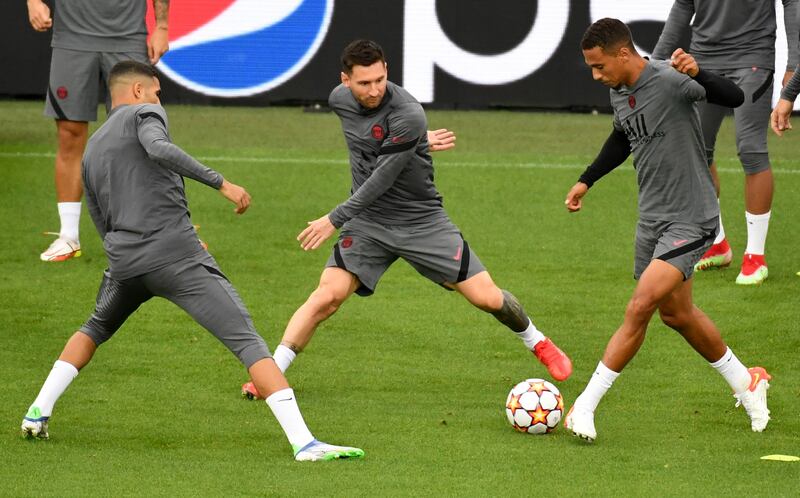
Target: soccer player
<point x="736" y="40"/>
<point x="656" y="118"/>
<point x="394" y="211"/>
<point x="134" y="178"/>
<point x="89" y="37"/>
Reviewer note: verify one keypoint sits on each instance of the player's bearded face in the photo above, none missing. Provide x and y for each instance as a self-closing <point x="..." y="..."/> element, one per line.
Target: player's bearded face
<point x="367" y="83"/>
<point x="608" y="69"/>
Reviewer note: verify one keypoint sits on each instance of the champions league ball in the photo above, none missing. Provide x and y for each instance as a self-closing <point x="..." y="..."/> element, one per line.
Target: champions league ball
<point x="534" y="406"/>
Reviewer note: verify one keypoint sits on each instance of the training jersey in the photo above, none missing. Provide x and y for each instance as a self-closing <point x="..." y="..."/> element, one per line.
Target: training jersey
<point x="730" y="34"/>
<point x="792" y="87"/>
<point x="133" y="180"/>
<point x="100" y="25"/>
<point x="391" y="168"/>
<point x="662" y="122"/>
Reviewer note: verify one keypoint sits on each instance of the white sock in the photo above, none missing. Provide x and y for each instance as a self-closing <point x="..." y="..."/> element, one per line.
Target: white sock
<point x="721" y="234"/>
<point x="284" y="407"/>
<point x="530" y="336"/>
<point x="57" y="382"/>
<point x="601" y="381"/>
<point x="283" y="357"/>
<point x="70" y="214"/>
<point x="757" y="226"/>
<point x="734" y="372"/>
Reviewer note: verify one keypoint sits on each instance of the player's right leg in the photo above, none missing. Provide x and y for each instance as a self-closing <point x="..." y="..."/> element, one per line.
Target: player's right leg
<point x="335" y="286"/>
<point x="200" y="288"/>
<point x="719" y="255"/>
<point x="116" y="300"/>
<point x="72" y="101"/>
<point x="657" y="281"/>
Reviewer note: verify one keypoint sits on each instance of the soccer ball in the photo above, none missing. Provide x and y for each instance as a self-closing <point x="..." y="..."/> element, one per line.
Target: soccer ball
<point x="534" y="406"/>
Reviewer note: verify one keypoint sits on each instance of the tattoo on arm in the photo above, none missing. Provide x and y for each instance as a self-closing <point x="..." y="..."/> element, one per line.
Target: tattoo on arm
<point x="161" y="10"/>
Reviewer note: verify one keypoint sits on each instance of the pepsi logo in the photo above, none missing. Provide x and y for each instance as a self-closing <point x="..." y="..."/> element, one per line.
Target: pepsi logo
<point x="236" y="48"/>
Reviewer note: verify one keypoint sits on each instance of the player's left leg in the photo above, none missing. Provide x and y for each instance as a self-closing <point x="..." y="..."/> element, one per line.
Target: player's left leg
<point x="481" y="291"/>
<point x="749" y="385"/>
<point x="752" y="121"/>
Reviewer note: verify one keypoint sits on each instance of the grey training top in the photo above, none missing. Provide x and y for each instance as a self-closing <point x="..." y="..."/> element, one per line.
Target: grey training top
<point x="662" y="122"/>
<point x="100" y="25"/>
<point x="133" y="179"/>
<point x="391" y="168"/>
<point x="730" y="34"/>
<point x="792" y="88"/>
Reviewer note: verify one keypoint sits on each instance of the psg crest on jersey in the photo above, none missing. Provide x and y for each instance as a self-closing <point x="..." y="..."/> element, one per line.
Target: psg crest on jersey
<point x="631" y="101"/>
<point x="377" y="132"/>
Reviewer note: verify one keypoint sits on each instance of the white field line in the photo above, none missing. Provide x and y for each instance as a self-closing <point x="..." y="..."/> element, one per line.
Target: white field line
<point x="439" y="163"/>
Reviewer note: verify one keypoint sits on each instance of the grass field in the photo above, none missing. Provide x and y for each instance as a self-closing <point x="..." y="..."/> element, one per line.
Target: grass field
<point x="413" y="374"/>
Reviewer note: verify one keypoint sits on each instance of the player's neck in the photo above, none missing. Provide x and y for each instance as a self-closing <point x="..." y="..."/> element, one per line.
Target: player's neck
<point x="637" y="66"/>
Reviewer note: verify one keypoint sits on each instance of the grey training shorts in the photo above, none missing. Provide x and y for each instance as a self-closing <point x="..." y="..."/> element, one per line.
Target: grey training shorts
<point x="75" y="81"/>
<point x="436" y="250"/>
<point x="195" y="284"/>
<point x="679" y="244"/>
<point x="751" y="118"/>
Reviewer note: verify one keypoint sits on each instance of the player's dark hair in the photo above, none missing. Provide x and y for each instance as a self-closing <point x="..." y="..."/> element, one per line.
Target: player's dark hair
<point x="130" y="68"/>
<point x="361" y="53"/>
<point x="608" y="34"/>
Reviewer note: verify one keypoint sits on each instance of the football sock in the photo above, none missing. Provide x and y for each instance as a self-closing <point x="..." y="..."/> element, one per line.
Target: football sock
<point x="734" y="372"/>
<point x="57" y="382"/>
<point x="284" y="406"/>
<point x="721" y="233"/>
<point x="530" y="336"/>
<point x="70" y="214"/>
<point x="601" y="381"/>
<point x="757" y="226"/>
<point x="283" y="357"/>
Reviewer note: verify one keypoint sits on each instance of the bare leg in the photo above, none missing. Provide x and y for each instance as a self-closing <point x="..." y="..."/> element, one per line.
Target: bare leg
<point x="79" y="350"/>
<point x="678" y="313"/>
<point x="267" y="377"/>
<point x="657" y="282"/>
<point x="715" y="177"/>
<point x="335" y="286"/>
<point x="758" y="190"/>
<point x="72" y="136"/>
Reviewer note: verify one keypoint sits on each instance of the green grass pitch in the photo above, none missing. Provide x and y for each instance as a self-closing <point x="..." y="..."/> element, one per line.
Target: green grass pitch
<point x="413" y="374"/>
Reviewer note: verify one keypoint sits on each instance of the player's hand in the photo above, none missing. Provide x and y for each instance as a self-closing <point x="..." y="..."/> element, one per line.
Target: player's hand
<point x="441" y="139"/>
<point x="157" y="44"/>
<point x="684" y="63"/>
<point x="576" y="193"/>
<point x="786" y="77"/>
<point x="317" y="232"/>
<point x="236" y="195"/>
<point x="779" y="119"/>
<point x="39" y="15"/>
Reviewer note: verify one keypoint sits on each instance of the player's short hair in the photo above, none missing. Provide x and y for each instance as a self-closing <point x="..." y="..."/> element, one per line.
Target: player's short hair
<point x="361" y="53"/>
<point x="608" y="34"/>
<point x="126" y="69"/>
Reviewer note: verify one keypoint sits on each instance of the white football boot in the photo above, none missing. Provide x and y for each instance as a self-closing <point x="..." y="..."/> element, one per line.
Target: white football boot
<point x="754" y="398"/>
<point x="316" y="451"/>
<point x="61" y="249"/>
<point x="581" y="423"/>
<point x="34" y="425"/>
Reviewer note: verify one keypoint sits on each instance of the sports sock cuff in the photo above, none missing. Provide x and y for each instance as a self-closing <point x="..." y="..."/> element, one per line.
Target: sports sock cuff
<point x="283" y="394"/>
<point x="606" y="373"/>
<point x="67" y="367"/>
<point x="725" y="359"/>
<point x="757" y="217"/>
